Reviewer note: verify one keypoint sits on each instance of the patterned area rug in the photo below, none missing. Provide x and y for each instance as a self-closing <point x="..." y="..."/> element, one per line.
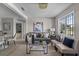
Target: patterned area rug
<point x="37" y="48"/>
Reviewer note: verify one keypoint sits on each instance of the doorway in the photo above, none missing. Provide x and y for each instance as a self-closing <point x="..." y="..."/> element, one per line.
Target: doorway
<point x="18" y="30"/>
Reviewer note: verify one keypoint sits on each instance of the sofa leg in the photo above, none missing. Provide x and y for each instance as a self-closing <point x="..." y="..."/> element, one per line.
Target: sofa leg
<point x="27" y="53"/>
<point x="62" y="54"/>
<point x="55" y="48"/>
<point x="76" y="54"/>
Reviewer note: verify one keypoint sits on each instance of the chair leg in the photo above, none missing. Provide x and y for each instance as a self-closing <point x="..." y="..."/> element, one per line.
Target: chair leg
<point x="4" y="45"/>
<point x="8" y="43"/>
<point x="46" y="50"/>
<point x="27" y="49"/>
<point x="14" y="42"/>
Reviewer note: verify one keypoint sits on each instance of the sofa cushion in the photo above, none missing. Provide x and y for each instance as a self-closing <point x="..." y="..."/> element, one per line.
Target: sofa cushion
<point x="38" y="35"/>
<point x="68" y="42"/>
<point x="55" y="42"/>
<point x="64" y="49"/>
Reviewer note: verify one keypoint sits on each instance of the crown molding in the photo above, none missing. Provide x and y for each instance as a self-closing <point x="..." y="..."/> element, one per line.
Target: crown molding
<point x="15" y="9"/>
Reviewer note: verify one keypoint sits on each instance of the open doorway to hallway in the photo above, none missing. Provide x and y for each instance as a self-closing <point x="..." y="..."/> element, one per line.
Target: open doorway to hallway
<point x="18" y="31"/>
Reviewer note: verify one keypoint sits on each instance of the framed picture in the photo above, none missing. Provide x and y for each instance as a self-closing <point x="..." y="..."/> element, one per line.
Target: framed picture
<point x="38" y="27"/>
<point x="6" y="26"/>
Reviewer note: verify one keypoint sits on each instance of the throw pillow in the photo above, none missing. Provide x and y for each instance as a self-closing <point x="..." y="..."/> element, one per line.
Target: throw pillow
<point x="68" y="42"/>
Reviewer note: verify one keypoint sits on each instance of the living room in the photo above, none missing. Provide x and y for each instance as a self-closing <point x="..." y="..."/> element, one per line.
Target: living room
<point x="52" y="23"/>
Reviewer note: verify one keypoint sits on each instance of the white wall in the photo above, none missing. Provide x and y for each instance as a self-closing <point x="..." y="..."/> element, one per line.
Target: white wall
<point x="14" y="26"/>
<point x="76" y="7"/>
<point x="47" y="23"/>
<point x="0" y="25"/>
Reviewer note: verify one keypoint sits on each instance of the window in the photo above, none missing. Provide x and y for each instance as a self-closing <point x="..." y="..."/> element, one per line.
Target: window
<point x="66" y="24"/>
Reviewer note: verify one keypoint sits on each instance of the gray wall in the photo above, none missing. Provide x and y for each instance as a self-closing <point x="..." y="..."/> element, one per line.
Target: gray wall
<point x="47" y="23"/>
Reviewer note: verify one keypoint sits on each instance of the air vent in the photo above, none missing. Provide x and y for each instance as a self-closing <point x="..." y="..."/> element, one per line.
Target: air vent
<point x="22" y="8"/>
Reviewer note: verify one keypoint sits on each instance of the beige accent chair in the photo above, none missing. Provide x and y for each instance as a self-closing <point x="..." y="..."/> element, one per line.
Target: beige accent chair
<point x="2" y="40"/>
<point x="28" y="44"/>
<point x="10" y="39"/>
<point x="63" y="49"/>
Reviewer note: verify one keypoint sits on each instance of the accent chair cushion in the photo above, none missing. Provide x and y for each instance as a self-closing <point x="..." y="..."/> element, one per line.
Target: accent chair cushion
<point x="58" y="38"/>
<point x="68" y="42"/>
<point x="38" y="35"/>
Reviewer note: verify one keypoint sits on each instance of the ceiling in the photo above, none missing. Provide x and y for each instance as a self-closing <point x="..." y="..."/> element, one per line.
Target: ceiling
<point x="33" y="10"/>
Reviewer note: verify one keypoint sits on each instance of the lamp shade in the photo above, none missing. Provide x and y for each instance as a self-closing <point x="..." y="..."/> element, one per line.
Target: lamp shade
<point x="52" y="29"/>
